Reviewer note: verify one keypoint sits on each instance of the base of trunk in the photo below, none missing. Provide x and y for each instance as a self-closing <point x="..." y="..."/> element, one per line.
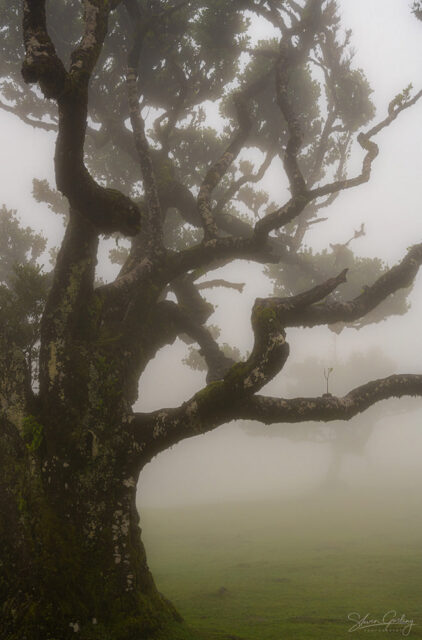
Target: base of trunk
<point x="56" y="606"/>
<point x="58" y="582"/>
<point x="59" y="593"/>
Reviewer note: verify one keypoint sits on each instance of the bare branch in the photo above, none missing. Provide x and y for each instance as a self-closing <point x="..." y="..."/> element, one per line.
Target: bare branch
<point x="305" y="299"/>
<point x="217" y="362"/>
<point x="298" y="202"/>
<point x="280" y="217"/>
<point x="371" y="149"/>
<point x="145" y="162"/>
<point x="211" y="407"/>
<point x="209" y="284"/>
<point x="217" y="171"/>
<point x="291" y="314"/>
<point x="253" y="177"/>
<point x="296" y="179"/>
<point x="190" y="299"/>
<point x="272" y="410"/>
<point x="218" y="249"/>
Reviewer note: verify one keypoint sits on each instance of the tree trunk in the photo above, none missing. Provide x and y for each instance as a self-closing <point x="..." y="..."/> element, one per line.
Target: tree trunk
<point x="71" y="555"/>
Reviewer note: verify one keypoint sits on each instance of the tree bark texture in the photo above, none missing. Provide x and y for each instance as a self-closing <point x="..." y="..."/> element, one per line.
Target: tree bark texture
<point x="72" y="559"/>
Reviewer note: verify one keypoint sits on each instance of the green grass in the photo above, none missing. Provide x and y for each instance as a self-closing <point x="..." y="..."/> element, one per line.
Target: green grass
<point x="292" y="569"/>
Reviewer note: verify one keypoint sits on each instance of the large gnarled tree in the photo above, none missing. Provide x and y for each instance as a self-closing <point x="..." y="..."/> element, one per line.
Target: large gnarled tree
<point x="71" y="446"/>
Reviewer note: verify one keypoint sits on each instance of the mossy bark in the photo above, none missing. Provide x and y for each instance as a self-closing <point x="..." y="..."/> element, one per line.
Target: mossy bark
<point x="72" y="563"/>
<point x="71" y="557"/>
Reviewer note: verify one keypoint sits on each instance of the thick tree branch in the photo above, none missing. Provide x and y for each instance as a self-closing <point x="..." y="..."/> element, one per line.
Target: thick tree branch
<point x="281" y="217"/>
<point x="217" y="362"/>
<point x="119" y="291"/>
<point x="210" y="408"/>
<point x="307" y="314"/>
<point x="41" y="63"/>
<point x="232" y="396"/>
<point x="85" y="56"/>
<point x="300" y="310"/>
<point x="218" y="249"/>
<point x="108" y="209"/>
<point x="210" y="284"/>
<point x="175" y="194"/>
<point x="66" y="315"/>
<point x="190" y="316"/>
<point x="190" y="300"/>
<point x="307" y="298"/>
<point x="270" y="410"/>
<point x="257" y="248"/>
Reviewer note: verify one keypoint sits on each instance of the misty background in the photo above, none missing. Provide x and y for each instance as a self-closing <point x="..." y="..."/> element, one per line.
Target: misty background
<point x="236" y="462"/>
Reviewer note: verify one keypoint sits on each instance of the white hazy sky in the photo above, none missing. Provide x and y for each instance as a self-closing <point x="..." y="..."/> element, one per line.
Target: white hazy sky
<point x="388" y="45"/>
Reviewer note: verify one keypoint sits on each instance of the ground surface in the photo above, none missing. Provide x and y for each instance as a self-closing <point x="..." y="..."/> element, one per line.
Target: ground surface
<point x="291" y="569"/>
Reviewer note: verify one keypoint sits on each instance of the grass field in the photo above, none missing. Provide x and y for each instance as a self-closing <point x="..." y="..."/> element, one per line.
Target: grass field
<point x="292" y="569"/>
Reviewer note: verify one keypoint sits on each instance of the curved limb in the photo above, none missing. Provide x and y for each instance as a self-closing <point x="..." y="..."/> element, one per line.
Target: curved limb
<point x="109" y="210"/>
